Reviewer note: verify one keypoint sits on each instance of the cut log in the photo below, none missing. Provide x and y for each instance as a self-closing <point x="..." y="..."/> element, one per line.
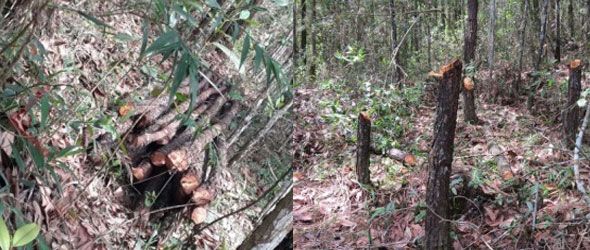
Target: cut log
<point x="571" y="113"/>
<point x="363" y="149"/>
<point x="158" y="159"/>
<point x="142" y="171"/>
<point x="177" y="160"/>
<point x="199" y="215"/>
<point x="441" y="157"/>
<point x="202" y="196"/>
<point x="397" y="155"/>
<point x="189" y="183"/>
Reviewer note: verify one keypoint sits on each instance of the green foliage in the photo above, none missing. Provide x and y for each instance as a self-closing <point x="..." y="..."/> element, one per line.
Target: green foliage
<point x="23" y="235"/>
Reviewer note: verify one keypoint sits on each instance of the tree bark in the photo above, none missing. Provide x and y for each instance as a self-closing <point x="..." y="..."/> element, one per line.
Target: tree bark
<point x="363" y="152"/>
<point x="468" y="56"/>
<point x="275" y="226"/>
<point x="441" y="158"/>
<point x="557" y="30"/>
<point x="571" y="114"/>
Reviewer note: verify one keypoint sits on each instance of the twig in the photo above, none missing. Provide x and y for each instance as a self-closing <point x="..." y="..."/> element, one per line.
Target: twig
<point x="576" y="167"/>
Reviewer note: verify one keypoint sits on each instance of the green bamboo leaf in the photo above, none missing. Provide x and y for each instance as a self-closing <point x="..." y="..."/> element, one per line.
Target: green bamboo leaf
<point x="245" y="50"/>
<point x="167" y="42"/>
<point x="38" y="158"/>
<point x="123" y="37"/>
<point x="213" y="4"/>
<point x="25" y="234"/>
<point x="229" y="53"/>
<point x="276" y="69"/>
<point x="190" y="19"/>
<point x="93" y="19"/>
<point x="144" y="38"/>
<point x="258" y="57"/>
<point x="194" y="84"/>
<point x="4" y="236"/>
<point x="44" y="110"/>
<point x="180" y="74"/>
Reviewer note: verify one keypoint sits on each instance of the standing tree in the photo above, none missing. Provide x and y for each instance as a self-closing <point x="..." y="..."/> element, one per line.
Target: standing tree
<point x="522" y="40"/>
<point x="468" y="56"/>
<point x="542" y="33"/>
<point x="491" y="34"/>
<point x="393" y="34"/>
<point x="557" y="35"/>
<point x="441" y="157"/>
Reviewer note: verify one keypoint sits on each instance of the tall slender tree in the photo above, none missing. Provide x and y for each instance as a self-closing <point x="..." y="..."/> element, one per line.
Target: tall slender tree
<point x="557" y="53"/>
<point x="470" y="36"/>
<point x="522" y="40"/>
<point x="393" y="35"/>
<point x="491" y="36"/>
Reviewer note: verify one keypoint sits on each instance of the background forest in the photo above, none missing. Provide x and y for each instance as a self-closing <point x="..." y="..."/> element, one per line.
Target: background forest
<point x="518" y="175"/>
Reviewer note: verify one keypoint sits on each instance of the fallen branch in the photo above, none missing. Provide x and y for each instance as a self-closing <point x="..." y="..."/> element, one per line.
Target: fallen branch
<point x="397" y="155"/>
<point x="576" y="167"/>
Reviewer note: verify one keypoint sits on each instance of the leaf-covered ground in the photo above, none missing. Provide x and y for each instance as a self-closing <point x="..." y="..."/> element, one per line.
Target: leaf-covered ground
<point x="534" y="205"/>
<point x="78" y="199"/>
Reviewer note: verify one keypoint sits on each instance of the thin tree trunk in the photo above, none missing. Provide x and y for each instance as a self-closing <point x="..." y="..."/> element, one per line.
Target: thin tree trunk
<point x="393" y="35"/>
<point x="468" y="56"/>
<point x="363" y="152"/>
<point x="557" y="30"/>
<point x="491" y="36"/>
<point x="570" y="19"/>
<point x="441" y="158"/>
<point x="522" y="40"/>
<point x="295" y="49"/>
<point x="303" y="32"/>
<point x="313" y="31"/>
<point x="571" y="116"/>
<point x="542" y="33"/>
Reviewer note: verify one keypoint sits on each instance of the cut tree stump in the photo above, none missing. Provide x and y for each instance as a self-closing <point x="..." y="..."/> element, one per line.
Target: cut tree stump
<point x="441" y="157"/>
<point x="363" y="150"/>
<point x="571" y="113"/>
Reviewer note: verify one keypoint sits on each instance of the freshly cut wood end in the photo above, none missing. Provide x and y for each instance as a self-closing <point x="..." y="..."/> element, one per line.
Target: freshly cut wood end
<point x="158" y="159"/>
<point x="125" y="109"/>
<point x="142" y="171"/>
<point x="177" y="160"/>
<point x="189" y="183"/>
<point x="507" y="175"/>
<point x="199" y="215"/>
<point x="410" y="160"/>
<point x="365" y="117"/>
<point x="436" y="75"/>
<point x="468" y="84"/>
<point x="446" y="68"/>
<point x="202" y="196"/>
<point x="575" y="64"/>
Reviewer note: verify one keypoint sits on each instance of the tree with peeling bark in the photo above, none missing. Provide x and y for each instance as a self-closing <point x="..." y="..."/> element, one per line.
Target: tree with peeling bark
<point x="571" y="111"/>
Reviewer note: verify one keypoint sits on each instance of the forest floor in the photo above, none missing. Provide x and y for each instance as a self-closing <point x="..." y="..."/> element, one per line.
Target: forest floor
<point x="81" y="203"/>
<point x="331" y="210"/>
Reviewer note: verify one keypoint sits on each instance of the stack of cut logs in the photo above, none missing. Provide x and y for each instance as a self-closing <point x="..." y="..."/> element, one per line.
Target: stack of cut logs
<point x="158" y="139"/>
